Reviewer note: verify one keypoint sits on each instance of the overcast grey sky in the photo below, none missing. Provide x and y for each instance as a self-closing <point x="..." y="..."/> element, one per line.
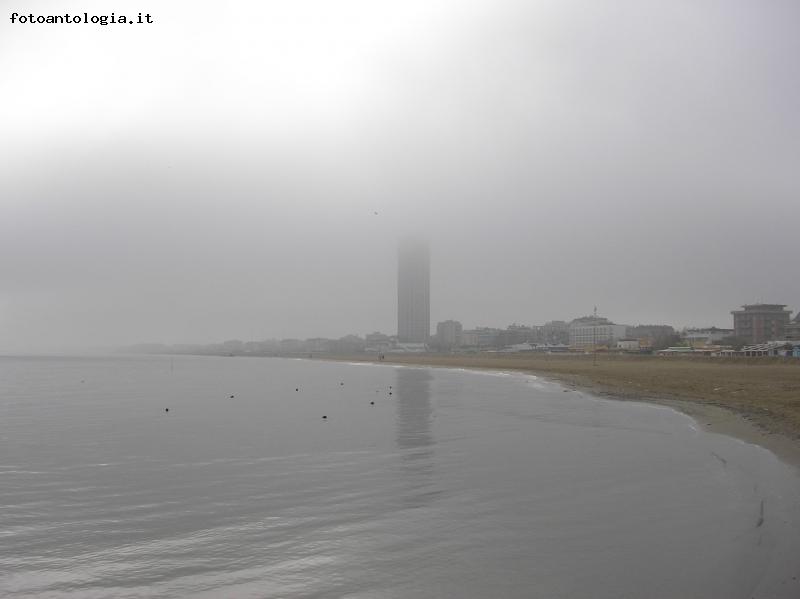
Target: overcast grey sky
<point x="216" y="174"/>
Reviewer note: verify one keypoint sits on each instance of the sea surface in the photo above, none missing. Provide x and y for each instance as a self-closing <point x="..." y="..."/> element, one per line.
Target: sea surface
<point x="451" y="484"/>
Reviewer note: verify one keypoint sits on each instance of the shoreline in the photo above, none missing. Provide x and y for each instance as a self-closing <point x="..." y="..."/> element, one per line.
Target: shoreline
<point x="713" y="416"/>
<point x="714" y="419"/>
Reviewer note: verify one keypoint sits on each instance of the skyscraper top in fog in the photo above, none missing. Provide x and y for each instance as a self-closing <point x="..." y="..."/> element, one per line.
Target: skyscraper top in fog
<point x="413" y="291"/>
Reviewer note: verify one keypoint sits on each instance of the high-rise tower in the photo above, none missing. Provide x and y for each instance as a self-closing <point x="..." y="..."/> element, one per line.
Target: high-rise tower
<point x="413" y="292"/>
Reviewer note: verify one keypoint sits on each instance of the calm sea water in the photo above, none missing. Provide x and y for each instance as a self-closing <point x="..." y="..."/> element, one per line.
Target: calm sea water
<point x="453" y="484"/>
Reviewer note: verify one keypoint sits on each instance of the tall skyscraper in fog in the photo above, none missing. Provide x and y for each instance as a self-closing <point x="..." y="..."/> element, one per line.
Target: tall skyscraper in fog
<point x="413" y="292"/>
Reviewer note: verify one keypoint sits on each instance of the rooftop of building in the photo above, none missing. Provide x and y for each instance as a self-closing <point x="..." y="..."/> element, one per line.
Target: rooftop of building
<point x="770" y="345"/>
<point x="762" y="308"/>
<point x="591" y="320"/>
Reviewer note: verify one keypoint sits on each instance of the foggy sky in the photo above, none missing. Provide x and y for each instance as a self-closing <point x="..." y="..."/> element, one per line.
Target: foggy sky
<point x="216" y="175"/>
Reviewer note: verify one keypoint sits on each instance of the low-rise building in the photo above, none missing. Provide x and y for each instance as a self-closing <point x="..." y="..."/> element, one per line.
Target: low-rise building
<point x="772" y="348"/>
<point x="628" y="344"/>
<point x="653" y="336"/>
<point x="518" y="347"/>
<point x="377" y="342"/>
<point x="680" y="350"/>
<point x="481" y="337"/>
<point x="516" y="334"/>
<point x="705" y="337"/>
<point x="408" y="348"/>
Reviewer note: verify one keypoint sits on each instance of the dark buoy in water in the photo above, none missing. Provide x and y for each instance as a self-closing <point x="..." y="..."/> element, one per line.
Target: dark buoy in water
<point x="372" y="403"/>
<point x="341" y="383"/>
<point x="166" y="409"/>
<point x="324" y="417"/>
<point x="297" y="389"/>
<point x="231" y="396"/>
<point x="390" y="392"/>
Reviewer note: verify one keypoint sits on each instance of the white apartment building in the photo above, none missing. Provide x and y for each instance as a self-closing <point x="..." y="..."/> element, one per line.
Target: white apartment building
<point x="590" y="331"/>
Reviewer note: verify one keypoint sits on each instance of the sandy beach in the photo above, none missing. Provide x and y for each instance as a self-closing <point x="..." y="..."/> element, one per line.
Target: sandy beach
<point x="756" y="400"/>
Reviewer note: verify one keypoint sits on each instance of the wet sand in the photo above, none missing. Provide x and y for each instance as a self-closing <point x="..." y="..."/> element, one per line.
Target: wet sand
<point x="756" y="400"/>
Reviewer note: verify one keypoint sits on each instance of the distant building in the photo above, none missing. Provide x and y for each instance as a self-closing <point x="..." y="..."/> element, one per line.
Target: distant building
<point x="773" y="348"/>
<point x="234" y="346"/>
<point x="291" y="345"/>
<point x="413" y="292"/>
<point x="349" y="344"/>
<point x="591" y="331"/>
<point x="653" y="336"/>
<point x="318" y="344"/>
<point x="555" y="332"/>
<point x="448" y="334"/>
<point x="759" y="323"/>
<point x="519" y="347"/>
<point x="482" y="337"/>
<point x="793" y="329"/>
<point x="408" y="348"/>
<point x="706" y="337"/>
<point x="679" y="350"/>
<point x="516" y="334"/>
<point x="628" y="344"/>
<point x="378" y="342"/>
<point x="469" y="338"/>
<point x="377" y="338"/>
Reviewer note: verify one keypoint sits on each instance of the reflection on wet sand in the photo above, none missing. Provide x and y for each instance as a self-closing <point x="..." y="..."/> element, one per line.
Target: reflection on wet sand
<point x="414" y="437"/>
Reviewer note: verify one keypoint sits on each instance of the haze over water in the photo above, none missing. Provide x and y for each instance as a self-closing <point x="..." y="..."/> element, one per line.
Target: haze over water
<point x="458" y="484"/>
<point x="242" y="170"/>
